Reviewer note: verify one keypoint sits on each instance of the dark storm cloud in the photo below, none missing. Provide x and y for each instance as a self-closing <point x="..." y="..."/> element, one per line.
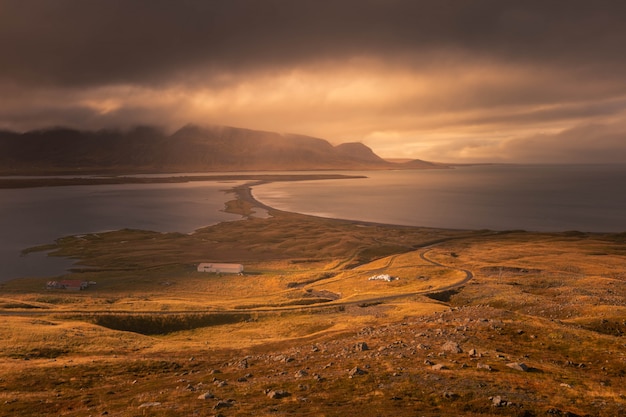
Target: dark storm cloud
<point x="76" y="42"/>
<point x="590" y="143"/>
<point x="450" y="80"/>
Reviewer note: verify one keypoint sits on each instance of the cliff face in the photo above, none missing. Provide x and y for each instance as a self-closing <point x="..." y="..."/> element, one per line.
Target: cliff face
<point x="190" y="149"/>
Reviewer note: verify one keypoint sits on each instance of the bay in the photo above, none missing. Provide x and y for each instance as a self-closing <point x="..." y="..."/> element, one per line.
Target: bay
<point x="36" y="216"/>
<point x="547" y="198"/>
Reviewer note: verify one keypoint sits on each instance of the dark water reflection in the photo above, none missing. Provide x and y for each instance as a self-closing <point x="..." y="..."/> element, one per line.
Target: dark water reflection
<point x="588" y="198"/>
<point x="35" y="216"/>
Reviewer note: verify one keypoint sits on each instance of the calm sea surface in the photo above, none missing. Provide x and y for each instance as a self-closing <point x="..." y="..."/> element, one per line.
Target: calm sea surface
<point x="542" y="198"/>
<point x="35" y="216"/>
<point x="589" y="198"/>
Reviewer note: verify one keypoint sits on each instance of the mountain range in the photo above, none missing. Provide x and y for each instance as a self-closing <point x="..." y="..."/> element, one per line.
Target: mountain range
<point x="190" y="149"/>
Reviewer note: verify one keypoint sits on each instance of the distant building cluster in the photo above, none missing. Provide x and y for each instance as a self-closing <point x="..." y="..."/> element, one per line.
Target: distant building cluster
<point x="69" y="284"/>
<point x="382" y="277"/>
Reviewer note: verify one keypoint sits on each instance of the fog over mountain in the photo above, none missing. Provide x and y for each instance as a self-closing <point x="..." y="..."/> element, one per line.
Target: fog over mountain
<point x="189" y="149"/>
<point x="448" y="80"/>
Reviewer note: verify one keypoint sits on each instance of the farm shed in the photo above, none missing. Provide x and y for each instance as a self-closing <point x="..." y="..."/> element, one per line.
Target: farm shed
<point x="70" y="284"/>
<point x="221" y="268"/>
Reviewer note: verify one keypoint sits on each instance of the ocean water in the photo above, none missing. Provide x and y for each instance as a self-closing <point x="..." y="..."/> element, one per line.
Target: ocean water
<point x="36" y="216"/>
<point x="589" y="198"/>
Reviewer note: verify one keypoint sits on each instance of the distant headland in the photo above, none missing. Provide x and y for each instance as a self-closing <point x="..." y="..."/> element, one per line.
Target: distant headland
<point x="190" y="149"/>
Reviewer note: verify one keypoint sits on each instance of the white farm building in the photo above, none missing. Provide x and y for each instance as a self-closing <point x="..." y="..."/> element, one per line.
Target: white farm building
<point x="221" y="268"/>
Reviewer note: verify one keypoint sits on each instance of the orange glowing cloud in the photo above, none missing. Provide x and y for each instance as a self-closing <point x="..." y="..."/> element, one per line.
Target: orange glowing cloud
<point x="470" y="82"/>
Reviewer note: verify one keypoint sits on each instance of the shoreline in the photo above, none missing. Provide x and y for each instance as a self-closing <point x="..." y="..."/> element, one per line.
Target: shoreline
<point x="244" y="194"/>
<point x="11" y="183"/>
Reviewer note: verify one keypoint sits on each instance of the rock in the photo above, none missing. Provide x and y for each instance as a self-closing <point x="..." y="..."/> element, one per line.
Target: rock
<point x="451" y="347"/>
<point x="223" y="404"/>
<point x="301" y="373"/>
<point x="278" y="394"/>
<point x="356" y="371"/>
<point x="473" y="353"/>
<point x="439" y="367"/>
<point x="150" y="404"/>
<point x="497" y="401"/>
<point x="518" y="366"/>
<point x="483" y="366"/>
<point x="450" y="395"/>
<point x="206" y="396"/>
<point x="283" y="358"/>
<point x="361" y="346"/>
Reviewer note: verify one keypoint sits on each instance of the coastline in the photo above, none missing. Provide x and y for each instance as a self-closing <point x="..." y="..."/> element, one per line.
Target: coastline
<point x="242" y="206"/>
<point x="10" y="183"/>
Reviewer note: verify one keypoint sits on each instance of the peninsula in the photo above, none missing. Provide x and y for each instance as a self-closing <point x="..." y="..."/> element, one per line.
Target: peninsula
<point x="472" y="323"/>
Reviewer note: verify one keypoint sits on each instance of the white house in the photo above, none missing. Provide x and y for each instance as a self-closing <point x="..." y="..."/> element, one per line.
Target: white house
<point x="382" y="277"/>
<point x="221" y="268"/>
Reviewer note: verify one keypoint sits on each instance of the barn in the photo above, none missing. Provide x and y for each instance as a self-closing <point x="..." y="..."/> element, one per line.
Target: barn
<point x="220" y="268"/>
<point x="68" y="284"/>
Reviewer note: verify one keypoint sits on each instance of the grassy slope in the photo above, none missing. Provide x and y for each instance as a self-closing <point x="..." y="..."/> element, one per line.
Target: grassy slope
<point x="556" y="302"/>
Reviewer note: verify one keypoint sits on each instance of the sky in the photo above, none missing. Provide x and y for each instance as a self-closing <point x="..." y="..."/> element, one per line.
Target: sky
<point x="442" y="80"/>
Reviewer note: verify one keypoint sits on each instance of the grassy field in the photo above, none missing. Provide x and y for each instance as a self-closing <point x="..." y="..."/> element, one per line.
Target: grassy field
<point x="538" y="330"/>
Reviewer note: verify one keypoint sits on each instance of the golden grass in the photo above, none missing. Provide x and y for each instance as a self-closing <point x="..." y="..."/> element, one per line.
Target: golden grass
<point x="556" y="302"/>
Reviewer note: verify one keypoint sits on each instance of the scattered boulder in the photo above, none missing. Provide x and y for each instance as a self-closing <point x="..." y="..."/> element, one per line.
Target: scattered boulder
<point x="498" y="401"/>
<point x="356" y="371"/>
<point x="301" y="373"/>
<point x="518" y="366"/>
<point x="439" y="367"/>
<point x="278" y="394"/>
<point x="223" y="404"/>
<point x="556" y="412"/>
<point x="284" y="358"/>
<point x="451" y="347"/>
<point x="450" y="395"/>
<point x="483" y="366"/>
<point x="206" y="396"/>
<point x="361" y="346"/>
<point x="150" y="404"/>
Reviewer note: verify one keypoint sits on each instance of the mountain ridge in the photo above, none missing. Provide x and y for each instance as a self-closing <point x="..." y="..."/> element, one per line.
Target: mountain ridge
<point x="192" y="148"/>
